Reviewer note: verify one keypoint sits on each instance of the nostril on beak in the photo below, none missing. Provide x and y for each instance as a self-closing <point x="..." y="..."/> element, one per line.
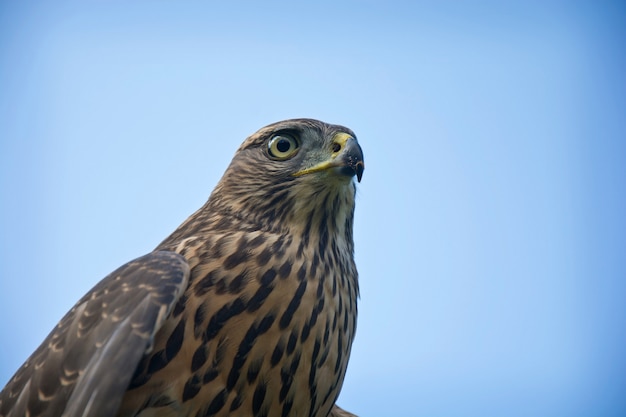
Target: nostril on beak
<point x="336" y="147"/>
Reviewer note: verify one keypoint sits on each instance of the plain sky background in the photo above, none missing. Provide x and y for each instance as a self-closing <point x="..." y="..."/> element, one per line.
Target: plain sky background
<point x="491" y="219"/>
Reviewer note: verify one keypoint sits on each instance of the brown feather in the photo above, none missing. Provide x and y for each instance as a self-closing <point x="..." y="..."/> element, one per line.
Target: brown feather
<point x="266" y="320"/>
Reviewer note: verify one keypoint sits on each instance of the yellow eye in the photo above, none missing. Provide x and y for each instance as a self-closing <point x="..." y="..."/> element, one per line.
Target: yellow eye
<point x="282" y="146"/>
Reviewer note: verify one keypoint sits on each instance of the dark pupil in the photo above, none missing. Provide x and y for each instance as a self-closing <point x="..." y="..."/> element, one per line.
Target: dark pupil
<point x="283" y="145"/>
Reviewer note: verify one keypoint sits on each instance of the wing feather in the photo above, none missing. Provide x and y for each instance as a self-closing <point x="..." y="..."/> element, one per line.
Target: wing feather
<point x="85" y="364"/>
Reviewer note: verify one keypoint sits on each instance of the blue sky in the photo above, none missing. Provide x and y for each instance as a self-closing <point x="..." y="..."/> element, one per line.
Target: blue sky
<point x="490" y="224"/>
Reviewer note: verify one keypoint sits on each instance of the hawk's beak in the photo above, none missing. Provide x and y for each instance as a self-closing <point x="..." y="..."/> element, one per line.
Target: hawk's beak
<point x="352" y="157"/>
<point x="346" y="159"/>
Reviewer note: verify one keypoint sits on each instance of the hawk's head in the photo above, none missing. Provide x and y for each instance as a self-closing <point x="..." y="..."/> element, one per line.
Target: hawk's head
<point x="290" y="172"/>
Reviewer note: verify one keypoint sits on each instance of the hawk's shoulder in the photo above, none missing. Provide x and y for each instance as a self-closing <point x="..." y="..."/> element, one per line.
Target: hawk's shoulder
<point x="82" y="368"/>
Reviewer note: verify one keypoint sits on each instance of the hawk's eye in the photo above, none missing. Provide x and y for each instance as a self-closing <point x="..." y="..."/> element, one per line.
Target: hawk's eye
<point x="282" y="146"/>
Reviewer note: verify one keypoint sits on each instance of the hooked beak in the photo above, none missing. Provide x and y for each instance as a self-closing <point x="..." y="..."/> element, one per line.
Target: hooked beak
<point x="346" y="159"/>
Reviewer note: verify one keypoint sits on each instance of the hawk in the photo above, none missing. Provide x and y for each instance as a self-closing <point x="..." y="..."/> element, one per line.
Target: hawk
<point x="249" y="308"/>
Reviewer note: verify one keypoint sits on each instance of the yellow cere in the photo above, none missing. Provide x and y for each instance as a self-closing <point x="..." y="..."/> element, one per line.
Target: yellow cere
<point x="339" y="139"/>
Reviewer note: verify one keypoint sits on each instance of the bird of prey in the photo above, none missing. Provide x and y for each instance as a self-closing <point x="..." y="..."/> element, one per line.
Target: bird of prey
<point x="247" y="309"/>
